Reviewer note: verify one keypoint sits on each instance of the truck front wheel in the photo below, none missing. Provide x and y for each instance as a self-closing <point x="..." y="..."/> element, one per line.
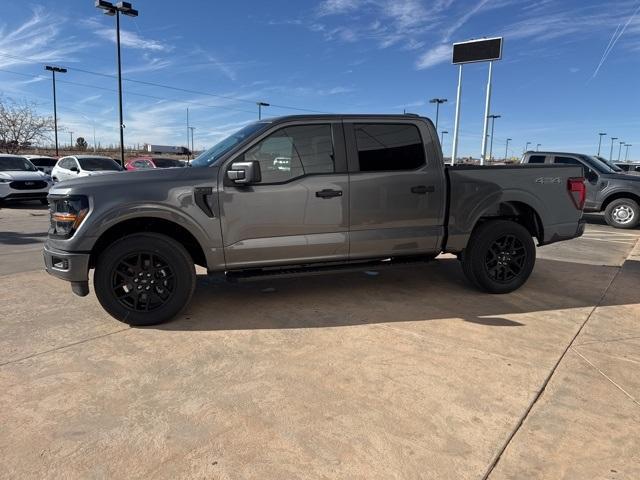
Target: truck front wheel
<point x="144" y="279"/>
<point x="622" y="213"/>
<point x="499" y="257"/>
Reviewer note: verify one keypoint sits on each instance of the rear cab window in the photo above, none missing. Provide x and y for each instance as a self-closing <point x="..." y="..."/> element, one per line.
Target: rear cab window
<point x="388" y="147"/>
<point x="536" y="159"/>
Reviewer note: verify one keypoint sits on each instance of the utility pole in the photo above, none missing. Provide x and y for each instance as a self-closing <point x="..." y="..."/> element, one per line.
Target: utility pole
<point x="71" y="144"/>
<point x="192" y="147"/>
<point x="115" y="10"/>
<point x="611" y="151"/>
<point x="437" y="101"/>
<point x="260" y="105"/>
<point x="53" y="71"/>
<point x="506" y="149"/>
<point x="493" y="119"/>
<point x="189" y="155"/>
<point x="600" y="135"/>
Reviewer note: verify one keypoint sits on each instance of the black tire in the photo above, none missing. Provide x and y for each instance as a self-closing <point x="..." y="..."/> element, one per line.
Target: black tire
<point x="144" y="279"/>
<point x="499" y="257"/>
<point x="622" y="213"/>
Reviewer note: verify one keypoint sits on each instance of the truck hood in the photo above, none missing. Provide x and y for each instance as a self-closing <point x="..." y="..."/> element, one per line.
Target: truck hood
<point x="128" y="181"/>
<point x="23" y="175"/>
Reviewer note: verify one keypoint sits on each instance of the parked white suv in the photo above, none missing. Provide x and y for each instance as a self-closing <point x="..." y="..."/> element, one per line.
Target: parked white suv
<point x="77" y="166"/>
<point x="21" y="180"/>
<point x="42" y="162"/>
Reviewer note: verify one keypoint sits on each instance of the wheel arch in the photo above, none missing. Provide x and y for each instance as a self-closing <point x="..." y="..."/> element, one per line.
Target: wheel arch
<point x="154" y="225"/>
<point x="617" y="195"/>
<point x="517" y="211"/>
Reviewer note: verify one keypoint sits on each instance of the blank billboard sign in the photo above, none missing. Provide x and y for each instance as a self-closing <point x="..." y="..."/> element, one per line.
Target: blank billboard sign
<point x="477" y="50"/>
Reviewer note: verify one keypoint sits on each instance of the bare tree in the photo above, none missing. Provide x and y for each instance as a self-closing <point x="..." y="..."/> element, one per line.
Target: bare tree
<point x="21" y="125"/>
<point x="81" y="144"/>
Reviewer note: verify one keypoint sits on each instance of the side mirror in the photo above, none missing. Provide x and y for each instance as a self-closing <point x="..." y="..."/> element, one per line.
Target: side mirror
<point x="74" y="169"/>
<point x="245" y="172"/>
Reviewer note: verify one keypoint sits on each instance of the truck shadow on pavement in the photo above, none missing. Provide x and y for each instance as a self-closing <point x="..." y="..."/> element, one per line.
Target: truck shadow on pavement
<point x="432" y="291"/>
<point x="17" y="238"/>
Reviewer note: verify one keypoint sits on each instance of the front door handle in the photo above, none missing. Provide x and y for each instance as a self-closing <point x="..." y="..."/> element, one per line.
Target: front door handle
<point x="328" y="193"/>
<point x="422" y="189"/>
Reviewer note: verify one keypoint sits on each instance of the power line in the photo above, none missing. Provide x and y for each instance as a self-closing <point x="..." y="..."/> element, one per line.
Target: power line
<point x="170" y="87"/>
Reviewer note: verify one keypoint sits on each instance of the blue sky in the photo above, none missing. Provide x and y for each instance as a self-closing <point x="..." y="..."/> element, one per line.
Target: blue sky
<point x="352" y="56"/>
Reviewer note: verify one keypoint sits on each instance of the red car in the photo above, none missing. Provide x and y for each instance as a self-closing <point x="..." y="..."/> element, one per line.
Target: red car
<point x="143" y="163"/>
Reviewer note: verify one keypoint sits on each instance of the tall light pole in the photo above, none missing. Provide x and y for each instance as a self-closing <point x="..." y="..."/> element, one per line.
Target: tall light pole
<point x="493" y="119"/>
<point x="611" y="151"/>
<point x="506" y="149"/>
<point x="620" y="150"/>
<point x="437" y="101"/>
<point x="71" y="144"/>
<point x="126" y="9"/>
<point x="260" y="105"/>
<point x="192" y="129"/>
<point x="526" y="147"/>
<point x="626" y="155"/>
<point x="53" y="71"/>
<point x="601" y="134"/>
<point x="444" y="132"/>
<point x="538" y="147"/>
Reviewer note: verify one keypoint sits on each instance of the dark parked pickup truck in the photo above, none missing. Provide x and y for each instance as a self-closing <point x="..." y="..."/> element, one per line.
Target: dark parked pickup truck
<point x="304" y="194"/>
<point x="617" y="194"/>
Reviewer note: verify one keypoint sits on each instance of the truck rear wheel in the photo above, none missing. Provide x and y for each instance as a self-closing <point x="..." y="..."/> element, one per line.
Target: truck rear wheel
<point x="622" y="213"/>
<point x="144" y="279"/>
<point x="499" y="257"/>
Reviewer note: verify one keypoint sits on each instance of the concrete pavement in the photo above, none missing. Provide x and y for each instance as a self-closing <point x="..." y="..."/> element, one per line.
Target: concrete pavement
<point x="406" y="374"/>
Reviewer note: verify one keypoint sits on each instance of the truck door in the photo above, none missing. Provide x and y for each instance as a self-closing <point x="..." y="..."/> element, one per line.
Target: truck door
<point x="298" y="211"/>
<point x="397" y="189"/>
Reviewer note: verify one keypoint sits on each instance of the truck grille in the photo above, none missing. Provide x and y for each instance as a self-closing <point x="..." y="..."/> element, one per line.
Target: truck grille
<point x="28" y="184"/>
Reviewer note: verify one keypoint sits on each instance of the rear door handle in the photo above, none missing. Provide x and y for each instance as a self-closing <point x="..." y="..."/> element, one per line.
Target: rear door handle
<point x="328" y="193"/>
<point x="422" y="189"/>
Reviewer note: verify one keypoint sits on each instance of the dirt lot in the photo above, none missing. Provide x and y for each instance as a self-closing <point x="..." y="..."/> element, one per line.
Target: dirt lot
<point x="407" y="373"/>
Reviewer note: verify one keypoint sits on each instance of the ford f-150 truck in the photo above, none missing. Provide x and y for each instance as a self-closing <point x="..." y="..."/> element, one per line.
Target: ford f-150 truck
<point x="303" y="194"/>
<point x="614" y="193"/>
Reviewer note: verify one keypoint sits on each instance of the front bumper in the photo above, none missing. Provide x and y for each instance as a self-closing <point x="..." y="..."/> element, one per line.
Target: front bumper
<point x="8" y="193"/>
<point x="72" y="267"/>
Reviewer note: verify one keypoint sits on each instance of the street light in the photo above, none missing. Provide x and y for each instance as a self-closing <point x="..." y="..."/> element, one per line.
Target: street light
<point x="506" y="149"/>
<point x="620" y="150"/>
<point x="626" y="155"/>
<point x="600" y="141"/>
<point x="53" y="71"/>
<point x="526" y="147"/>
<point x="437" y="101"/>
<point x="611" y="152"/>
<point x="538" y="146"/>
<point x="493" y="119"/>
<point x="126" y="9"/>
<point x="260" y="105"/>
<point x="443" y="134"/>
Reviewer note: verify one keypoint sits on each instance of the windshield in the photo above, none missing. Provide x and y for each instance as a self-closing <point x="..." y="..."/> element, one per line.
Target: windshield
<point x="96" y="164"/>
<point x="600" y="164"/>
<point x="167" y="163"/>
<point x="16" y="164"/>
<point x="209" y="157"/>
<point x="611" y="165"/>
<point x="43" y="162"/>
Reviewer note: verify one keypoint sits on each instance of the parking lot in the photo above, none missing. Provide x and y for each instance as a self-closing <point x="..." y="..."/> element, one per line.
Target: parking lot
<point x="398" y="373"/>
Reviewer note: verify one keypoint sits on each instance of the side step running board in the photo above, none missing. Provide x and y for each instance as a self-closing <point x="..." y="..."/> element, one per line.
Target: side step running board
<point x="321" y="269"/>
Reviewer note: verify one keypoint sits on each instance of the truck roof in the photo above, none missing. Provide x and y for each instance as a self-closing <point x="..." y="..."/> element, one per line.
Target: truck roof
<point x="342" y="116"/>
<point x="546" y="152"/>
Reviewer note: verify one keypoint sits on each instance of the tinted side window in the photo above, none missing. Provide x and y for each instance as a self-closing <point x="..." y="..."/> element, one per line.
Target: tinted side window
<point x="292" y="152"/>
<point x="567" y="160"/>
<point x="388" y="147"/>
<point x="67" y="163"/>
<point x="536" y="159"/>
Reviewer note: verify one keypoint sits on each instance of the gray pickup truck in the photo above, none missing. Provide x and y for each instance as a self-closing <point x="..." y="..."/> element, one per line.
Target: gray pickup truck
<point x="303" y="194"/>
<point x="615" y="193"/>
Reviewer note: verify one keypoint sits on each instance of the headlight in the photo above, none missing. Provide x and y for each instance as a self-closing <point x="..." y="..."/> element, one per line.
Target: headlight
<point x="67" y="213"/>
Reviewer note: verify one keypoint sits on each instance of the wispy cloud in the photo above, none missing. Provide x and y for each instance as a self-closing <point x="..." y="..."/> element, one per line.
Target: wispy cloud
<point x="434" y="56"/>
<point x="128" y="38"/>
<point x="38" y="40"/>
